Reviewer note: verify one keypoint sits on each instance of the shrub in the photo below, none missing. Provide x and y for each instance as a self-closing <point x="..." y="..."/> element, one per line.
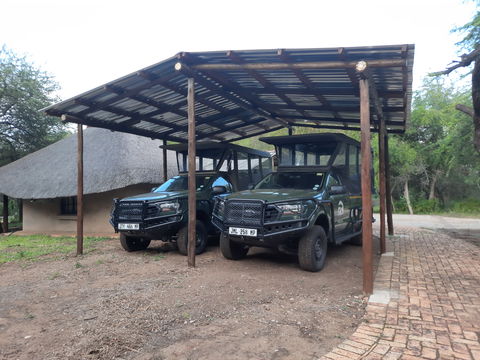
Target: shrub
<point x="424" y="206"/>
<point x="470" y="206"/>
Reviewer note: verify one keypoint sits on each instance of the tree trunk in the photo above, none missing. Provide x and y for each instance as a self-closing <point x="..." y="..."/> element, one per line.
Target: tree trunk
<point x="476" y="103"/>
<point x="406" y="194"/>
<point x="433" y="183"/>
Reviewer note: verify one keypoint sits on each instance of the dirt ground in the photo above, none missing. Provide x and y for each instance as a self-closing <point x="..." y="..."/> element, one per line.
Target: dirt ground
<point x="110" y="304"/>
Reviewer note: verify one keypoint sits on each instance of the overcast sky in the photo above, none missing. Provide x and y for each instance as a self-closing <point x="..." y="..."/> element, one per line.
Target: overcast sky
<point x="87" y="43"/>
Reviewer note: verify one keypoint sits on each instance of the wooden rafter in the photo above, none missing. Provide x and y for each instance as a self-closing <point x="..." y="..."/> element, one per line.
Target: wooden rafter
<point x="320" y="91"/>
<point x="143" y="117"/>
<point x="246" y="103"/>
<point x="265" y="83"/>
<point x="73" y="118"/>
<point x="181" y="91"/>
<point x="309" y="85"/>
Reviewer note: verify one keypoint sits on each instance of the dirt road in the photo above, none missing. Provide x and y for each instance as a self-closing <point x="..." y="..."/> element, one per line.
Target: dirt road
<point x="110" y="304"/>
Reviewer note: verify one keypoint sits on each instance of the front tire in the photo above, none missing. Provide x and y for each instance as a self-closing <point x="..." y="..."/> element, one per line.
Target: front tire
<point x="133" y="243"/>
<point x="232" y="250"/>
<point x="312" y="249"/>
<point x="201" y="243"/>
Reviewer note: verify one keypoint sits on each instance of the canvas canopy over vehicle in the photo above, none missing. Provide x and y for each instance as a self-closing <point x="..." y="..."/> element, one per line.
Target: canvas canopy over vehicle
<point x="231" y="95"/>
<point x="246" y="166"/>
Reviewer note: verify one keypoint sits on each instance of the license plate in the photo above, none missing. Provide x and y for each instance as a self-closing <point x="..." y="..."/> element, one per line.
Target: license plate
<point x="242" y="231"/>
<point x="128" y="226"/>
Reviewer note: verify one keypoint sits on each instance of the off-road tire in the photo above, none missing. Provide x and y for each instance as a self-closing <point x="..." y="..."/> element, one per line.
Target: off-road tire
<point x="132" y="243"/>
<point x="182" y="239"/>
<point x="232" y="250"/>
<point x="312" y="249"/>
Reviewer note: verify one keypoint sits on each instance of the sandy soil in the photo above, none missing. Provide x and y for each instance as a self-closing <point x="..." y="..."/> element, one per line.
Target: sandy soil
<point x="110" y="304"/>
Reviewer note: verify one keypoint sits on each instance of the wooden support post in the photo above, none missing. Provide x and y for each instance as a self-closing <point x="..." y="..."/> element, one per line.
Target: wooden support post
<point x="366" y="156"/>
<point x="388" y="189"/>
<point x="381" y="182"/>
<point x="80" y="190"/>
<point x="192" y="195"/>
<point x="5" y="214"/>
<point x="165" y="167"/>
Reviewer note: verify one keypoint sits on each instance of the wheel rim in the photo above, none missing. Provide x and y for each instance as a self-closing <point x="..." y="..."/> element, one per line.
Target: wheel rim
<point x="198" y="241"/>
<point x="318" y="250"/>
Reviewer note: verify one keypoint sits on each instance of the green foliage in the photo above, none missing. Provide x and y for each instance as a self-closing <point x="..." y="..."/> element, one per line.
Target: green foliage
<point x="435" y="155"/>
<point x="469" y="206"/>
<point x="471" y="31"/>
<point x="24" y="90"/>
<point x="425" y="206"/>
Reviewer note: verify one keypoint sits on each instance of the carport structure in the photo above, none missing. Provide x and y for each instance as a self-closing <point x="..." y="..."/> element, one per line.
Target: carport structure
<point x="232" y="95"/>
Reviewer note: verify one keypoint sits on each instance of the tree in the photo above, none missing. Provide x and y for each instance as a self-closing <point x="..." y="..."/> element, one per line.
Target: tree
<point x="470" y="43"/>
<point x="24" y="89"/>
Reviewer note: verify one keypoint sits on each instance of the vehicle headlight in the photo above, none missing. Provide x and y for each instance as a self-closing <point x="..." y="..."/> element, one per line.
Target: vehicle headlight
<point x="167" y="208"/>
<point x="296" y="210"/>
<point x="219" y="208"/>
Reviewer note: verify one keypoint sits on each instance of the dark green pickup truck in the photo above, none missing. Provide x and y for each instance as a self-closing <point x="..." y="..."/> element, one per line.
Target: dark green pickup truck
<point x="314" y="198"/>
<point x="162" y="213"/>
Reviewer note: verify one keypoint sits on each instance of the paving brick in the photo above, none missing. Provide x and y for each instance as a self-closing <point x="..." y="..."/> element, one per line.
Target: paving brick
<point x="436" y="314"/>
<point x="429" y="353"/>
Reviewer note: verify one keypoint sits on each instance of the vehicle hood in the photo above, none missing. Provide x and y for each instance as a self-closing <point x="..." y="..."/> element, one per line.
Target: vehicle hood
<point x="273" y="194"/>
<point x="157" y="196"/>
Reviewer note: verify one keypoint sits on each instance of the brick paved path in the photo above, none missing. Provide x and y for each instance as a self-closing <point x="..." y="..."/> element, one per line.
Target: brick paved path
<point x="426" y="302"/>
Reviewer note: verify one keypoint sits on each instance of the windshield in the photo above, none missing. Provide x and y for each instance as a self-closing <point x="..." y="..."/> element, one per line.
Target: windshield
<point x="179" y="183"/>
<point x="292" y="180"/>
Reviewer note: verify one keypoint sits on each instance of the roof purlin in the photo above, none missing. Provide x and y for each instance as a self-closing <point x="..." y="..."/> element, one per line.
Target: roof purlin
<point x="238" y="92"/>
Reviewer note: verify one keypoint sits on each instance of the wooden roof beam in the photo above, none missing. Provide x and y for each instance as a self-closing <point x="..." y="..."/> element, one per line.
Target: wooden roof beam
<point x="338" y="108"/>
<point x="319" y="91"/>
<point x="226" y="93"/>
<point x="333" y="127"/>
<point x="141" y="117"/>
<point x="351" y="121"/>
<point x="308" y="84"/>
<point x="298" y="65"/>
<point x="114" y="127"/>
<point x="179" y="90"/>
<point x="261" y="79"/>
<point x="260" y="107"/>
<point x="126" y="93"/>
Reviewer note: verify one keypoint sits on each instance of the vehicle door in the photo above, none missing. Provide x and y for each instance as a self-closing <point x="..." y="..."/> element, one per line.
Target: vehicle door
<point x="337" y="193"/>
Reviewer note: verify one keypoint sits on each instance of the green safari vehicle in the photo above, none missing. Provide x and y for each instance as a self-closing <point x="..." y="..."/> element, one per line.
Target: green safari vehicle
<point x="314" y="198"/>
<point x="162" y="214"/>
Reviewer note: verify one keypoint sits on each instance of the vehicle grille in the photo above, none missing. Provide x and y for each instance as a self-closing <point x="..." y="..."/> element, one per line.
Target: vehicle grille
<point x="248" y="213"/>
<point x="152" y="211"/>
<point x="129" y="211"/>
<point x="271" y="214"/>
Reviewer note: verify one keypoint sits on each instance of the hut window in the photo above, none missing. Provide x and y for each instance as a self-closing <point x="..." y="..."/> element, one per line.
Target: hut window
<point x="68" y="206"/>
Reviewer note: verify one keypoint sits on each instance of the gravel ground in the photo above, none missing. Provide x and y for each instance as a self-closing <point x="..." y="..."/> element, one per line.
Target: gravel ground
<point x="110" y="304"/>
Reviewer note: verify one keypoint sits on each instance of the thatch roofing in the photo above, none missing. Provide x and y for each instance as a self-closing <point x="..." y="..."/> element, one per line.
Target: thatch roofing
<point x="111" y="161"/>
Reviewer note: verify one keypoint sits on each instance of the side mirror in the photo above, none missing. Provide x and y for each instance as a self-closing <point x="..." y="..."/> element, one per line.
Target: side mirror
<point x="153" y="189"/>
<point x="250" y="186"/>
<point x="337" y="189"/>
<point x="217" y="190"/>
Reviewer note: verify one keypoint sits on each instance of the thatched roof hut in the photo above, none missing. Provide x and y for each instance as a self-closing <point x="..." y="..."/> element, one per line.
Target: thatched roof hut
<point x="111" y="161"/>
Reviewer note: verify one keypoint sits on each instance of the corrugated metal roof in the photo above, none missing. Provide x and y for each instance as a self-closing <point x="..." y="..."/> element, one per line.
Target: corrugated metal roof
<point x="241" y="97"/>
